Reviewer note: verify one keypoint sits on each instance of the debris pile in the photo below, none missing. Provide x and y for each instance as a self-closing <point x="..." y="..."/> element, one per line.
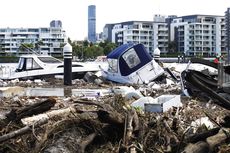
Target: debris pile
<point x="109" y="123"/>
<point x="155" y="108"/>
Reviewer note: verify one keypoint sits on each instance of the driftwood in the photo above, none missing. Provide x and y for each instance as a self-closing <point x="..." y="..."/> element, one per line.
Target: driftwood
<point x="111" y="125"/>
<point x="110" y="117"/>
<point x="87" y="102"/>
<point x="34" y="109"/>
<point x="199" y="147"/>
<point x="46" y="116"/>
<point x="132" y="125"/>
<point x="60" y="133"/>
<point x="86" y="141"/>
<point x="169" y="130"/>
<point x="202" y="136"/>
<point x="210" y="144"/>
<point x="21" y="131"/>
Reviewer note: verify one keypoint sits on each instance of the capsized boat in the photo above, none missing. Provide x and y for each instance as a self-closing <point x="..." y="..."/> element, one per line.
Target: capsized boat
<point x="131" y="63"/>
<point x="34" y="66"/>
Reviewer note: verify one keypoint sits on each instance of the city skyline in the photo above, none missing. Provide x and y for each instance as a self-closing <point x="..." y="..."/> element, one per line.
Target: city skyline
<point x="74" y="17"/>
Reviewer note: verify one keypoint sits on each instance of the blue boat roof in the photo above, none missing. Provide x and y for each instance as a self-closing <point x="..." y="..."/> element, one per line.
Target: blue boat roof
<point x="115" y="54"/>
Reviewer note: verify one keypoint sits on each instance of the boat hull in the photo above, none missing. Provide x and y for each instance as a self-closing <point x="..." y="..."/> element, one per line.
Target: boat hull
<point x="145" y="74"/>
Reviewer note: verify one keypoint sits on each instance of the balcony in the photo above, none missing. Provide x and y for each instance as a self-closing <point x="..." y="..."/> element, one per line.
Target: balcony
<point x="143" y="34"/>
<point x="119" y="35"/>
<point x="162" y="34"/>
<point x="162" y="29"/>
<point x="162" y="40"/>
<point x="198" y="33"/>
<point x="162" y="45"/>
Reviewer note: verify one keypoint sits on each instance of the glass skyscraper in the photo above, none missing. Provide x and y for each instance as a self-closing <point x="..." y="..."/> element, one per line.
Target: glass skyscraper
<point x="92" y="23"/>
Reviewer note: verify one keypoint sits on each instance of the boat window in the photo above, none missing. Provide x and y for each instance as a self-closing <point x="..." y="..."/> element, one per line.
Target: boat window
<point x="20" y="63"/>
<point x="31" y="64"/>
<point x="35" y="65"/>
<point x="131" y="58"/>
<point x="49" y="60"/>
<point x="112" y="65"/>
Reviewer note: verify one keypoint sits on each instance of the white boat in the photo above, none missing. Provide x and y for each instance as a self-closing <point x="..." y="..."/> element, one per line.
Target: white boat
<point x="34" y="66"/>
<point x="132" y="64"/>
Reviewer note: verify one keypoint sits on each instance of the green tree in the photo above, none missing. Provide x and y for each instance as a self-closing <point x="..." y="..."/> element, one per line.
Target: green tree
<point x="37" y="45"/>
<point x="77" y="50"/>
<point x="103" y="43"/>
<point x="93" y="51"/>
<point x="85" y="43"/>
<point x="62" y="45"/>
<point x="25" y="47"/>
<point x="69" y="41"/>
<point x="107" y="46"/>
<point x="98" y="51"/>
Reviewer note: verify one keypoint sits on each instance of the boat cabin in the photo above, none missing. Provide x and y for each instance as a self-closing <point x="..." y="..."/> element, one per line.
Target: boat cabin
<point x="34" y="62"/>
<point x="131" y="63"/>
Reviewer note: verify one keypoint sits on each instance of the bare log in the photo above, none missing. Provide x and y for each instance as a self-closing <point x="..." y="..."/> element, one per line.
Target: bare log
<point x="218" y="139"/>
<point x="175" y="124"/>
<point x="131" y="128"/>
<point x="136" y="122"/>
<point x="21" y="131"/>
<point x="48" y="115"/>
<point x="33" y="109"/>
<point x="111" y="117"/>
<point x="210" y="144"/>
<point x="88" y="103"/>
<point x="202" y="136"/>
<point x="199" y="147"/>
<point x="173" y="134"/>
<point x="86" y="141"/>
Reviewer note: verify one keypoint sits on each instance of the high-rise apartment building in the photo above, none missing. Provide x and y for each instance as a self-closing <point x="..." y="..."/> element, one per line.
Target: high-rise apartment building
<point x="227" y="27"/>
<point x="107" y="32"/>
<point x="152" y="34"/>
<point x="92" y="23"/>
<point x="160" y="33"/>
<point x="193" y="35"/>
<point x="56" y="23"/>
<point x="134" y="31"/>
<point x="199" y="34"/>
<point x="51" y="38"/>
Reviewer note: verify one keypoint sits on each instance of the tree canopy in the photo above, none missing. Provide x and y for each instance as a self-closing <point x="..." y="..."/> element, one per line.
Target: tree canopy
<point x="86" y="50"/>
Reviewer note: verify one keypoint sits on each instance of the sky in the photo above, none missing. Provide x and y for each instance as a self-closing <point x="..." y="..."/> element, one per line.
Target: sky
<point x="74" y="13"/>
